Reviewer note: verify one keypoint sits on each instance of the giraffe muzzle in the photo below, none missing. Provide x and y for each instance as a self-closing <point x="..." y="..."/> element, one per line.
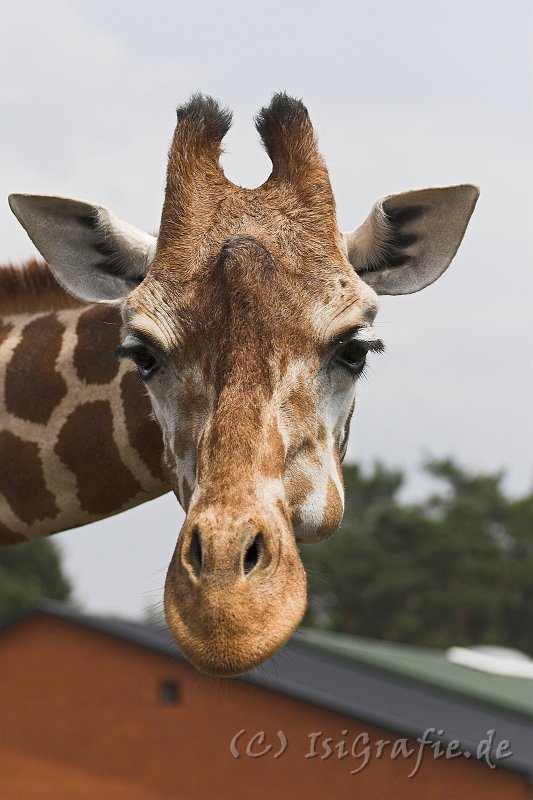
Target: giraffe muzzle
<point x="235" y="590"/>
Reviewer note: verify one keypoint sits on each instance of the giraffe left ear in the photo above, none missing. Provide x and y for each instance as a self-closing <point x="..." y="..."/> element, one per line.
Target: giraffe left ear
<point x="408" y="240"/>
<point x="93" y="254"/>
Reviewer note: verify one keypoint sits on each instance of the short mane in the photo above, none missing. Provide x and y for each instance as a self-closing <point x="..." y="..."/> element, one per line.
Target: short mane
<point x="30" y="288"/>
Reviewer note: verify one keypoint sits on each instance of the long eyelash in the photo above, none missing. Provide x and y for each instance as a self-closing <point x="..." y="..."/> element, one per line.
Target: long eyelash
<point x="128" y="351"/>
<point x="363" y="374"/>
<point x="123" y="351"/>
<point x="374" y="346"/>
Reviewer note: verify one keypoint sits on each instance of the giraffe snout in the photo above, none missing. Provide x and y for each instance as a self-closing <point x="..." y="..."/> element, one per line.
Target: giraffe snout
<point x="235" y="590"/>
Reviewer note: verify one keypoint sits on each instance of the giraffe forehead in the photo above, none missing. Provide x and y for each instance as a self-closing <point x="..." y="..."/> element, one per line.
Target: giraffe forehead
<point x="246" y="293"/>
<point x="273" y="214"/>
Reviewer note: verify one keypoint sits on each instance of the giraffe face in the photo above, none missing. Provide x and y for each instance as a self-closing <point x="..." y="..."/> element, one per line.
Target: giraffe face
<point x="249" y="319"/>
<point x="262" y="381"/>
<point x="251" y="367"/>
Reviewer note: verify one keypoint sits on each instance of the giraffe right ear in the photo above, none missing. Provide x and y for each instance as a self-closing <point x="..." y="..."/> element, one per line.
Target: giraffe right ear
<point x="409" y="239"/>
<point x="93" y="254"/>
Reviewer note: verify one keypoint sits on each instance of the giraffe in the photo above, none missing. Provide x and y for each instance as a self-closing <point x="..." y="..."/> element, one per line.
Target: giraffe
<point x="76" y="435"/>
<point x="249" y="319"/>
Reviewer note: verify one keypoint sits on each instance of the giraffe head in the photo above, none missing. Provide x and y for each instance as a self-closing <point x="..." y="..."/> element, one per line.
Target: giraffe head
<point x="249" y="319"/>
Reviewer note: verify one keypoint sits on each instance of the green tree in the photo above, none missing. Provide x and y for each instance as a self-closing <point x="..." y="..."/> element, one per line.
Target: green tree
<point x="454" y="569"/>
<point x="29" y="573"/>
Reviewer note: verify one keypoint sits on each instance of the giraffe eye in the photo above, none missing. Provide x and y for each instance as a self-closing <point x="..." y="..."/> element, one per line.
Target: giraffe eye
<point x="142" y="356"/>
<point x="144" y="361"/>
<point x="352" y="355"/>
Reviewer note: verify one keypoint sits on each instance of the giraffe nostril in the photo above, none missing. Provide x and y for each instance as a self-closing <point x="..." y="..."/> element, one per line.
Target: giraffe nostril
<point x="253" y="554"/>
<point x="194" y="554"/>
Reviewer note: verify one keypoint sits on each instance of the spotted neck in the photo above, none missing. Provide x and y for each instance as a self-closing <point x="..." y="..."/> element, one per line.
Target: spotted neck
<point x="77" y="442"/>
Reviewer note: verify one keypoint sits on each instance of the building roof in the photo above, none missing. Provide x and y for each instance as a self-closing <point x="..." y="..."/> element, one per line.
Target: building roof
<point x="428" y="666"/>
<point x="402" y="688"/>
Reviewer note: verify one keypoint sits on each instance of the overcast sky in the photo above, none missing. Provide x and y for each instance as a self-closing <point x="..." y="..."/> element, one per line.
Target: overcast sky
<point x="402" y="95"/>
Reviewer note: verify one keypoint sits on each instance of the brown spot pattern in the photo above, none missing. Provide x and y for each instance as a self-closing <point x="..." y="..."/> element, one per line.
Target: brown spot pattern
<point x="274" y="456"/>
<point x="22" y="479"/>
<point x="322" y="433"/>
<point x="98" y="332"/>
<point x="7" y="537"/>
<point x="301" y="403"/>
<point x="299" y="489"/>
<point x="86" y="445"/>
<point x="143" y="432"/>
<point x="33" y="386"/>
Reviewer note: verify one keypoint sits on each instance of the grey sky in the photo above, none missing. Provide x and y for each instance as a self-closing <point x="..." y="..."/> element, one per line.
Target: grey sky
<point x="402" y="95"/>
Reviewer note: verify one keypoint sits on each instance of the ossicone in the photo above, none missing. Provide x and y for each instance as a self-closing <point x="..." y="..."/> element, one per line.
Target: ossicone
<point x="194" y="159"/>
<point x="204" y="116"/>
<point x="288" y="136"/>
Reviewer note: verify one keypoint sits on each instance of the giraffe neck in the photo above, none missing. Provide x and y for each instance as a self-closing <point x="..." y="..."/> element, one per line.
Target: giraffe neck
<point x="77" y="442"/>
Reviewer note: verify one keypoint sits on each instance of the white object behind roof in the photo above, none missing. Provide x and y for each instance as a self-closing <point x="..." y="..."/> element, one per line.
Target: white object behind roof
<point x="496" y="660"/>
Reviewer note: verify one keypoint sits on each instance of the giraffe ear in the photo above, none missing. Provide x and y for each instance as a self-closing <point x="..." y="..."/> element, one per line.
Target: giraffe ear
<point x="408" y="240"/>
<point x="93" y="254"/>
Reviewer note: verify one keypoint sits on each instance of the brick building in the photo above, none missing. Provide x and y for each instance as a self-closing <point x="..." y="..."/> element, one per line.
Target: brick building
<point x="101" y="708"/>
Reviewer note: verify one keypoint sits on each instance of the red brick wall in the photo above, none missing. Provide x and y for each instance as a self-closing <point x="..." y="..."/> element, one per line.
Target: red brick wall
<point x="80" y="709"/>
